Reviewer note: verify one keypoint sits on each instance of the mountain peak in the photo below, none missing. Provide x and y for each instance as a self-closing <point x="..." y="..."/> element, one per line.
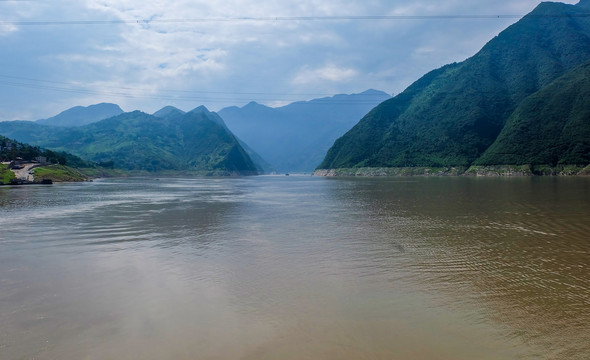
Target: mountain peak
<point x="584" y="4"/>
<point x="169" y="108"/>
<point x="104" y="105"/>
<point x="252" y="105"/>
<point x="168" y="111"/>
<point x="80" y="115"/>
<point x="375" y="94"/>
<point x="200" y="109"/>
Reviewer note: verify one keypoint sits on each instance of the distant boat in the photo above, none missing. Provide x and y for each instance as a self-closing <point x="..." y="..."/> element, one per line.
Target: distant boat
<point x="287" y="174"/>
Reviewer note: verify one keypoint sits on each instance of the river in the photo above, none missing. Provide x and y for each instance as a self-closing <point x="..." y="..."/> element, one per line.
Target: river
<point x="297" y="267"/>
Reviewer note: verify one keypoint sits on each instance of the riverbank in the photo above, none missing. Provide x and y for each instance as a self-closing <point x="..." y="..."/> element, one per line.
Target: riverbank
<point x="35" y="173"/>
<point x="496" y="170"/>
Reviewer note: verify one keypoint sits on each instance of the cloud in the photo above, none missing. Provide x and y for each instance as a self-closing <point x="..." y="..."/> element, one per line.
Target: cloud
<point x="229" y="52"/>
<point x="330" y="73"/>
<point x="6" y="30"/>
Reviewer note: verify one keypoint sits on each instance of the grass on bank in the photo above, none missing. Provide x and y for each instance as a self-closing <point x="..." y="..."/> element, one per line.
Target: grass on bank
<point x="5" y="174"/>
<point x="58" y="173"/>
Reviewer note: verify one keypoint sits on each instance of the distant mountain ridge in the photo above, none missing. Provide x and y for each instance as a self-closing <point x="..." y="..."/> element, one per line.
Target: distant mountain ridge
<point x="452" y="116"/>
<point x="193" y="142"/>
<point x="80" y="115"/>
<point x="295" y="137"/>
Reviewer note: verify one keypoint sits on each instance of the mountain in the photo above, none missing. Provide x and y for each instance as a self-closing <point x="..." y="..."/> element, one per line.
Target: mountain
<point x="563" y="135"/>
<point x="80" y="115"/>
<point x="452" y="115"/>
<point x="295" y="137"/>
<point x="172" y="113"/>
<point x="194" y="142"/>
<point x="262" y="166"/>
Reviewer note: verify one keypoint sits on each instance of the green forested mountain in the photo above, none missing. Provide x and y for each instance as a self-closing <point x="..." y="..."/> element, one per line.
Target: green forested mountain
<point x="170" y="112"/>
<point x="192" y="142"/>
<point x="452" y="115"/>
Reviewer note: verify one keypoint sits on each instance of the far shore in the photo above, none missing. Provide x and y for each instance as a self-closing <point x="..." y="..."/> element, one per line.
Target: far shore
<point x="490" y="171"/>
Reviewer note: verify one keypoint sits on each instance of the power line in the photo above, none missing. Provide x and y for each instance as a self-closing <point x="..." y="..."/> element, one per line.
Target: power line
<point x="182" y="95"/>
<point x="283" y="19"/>
<point x="248" y="19"/>
<point x="69" y="84"/>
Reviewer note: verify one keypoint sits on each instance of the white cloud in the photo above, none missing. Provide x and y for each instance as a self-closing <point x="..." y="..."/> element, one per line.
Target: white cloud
<point x="6" y="30"/>
<point x="144" y="61"/>
<point x="331" y="73"/>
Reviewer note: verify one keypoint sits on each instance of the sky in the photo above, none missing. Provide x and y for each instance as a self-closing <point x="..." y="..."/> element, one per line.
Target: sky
<point x="144" y="55"/>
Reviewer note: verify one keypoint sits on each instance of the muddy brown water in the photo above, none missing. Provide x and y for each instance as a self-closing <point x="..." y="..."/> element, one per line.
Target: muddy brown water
<point x="296" y="267"/>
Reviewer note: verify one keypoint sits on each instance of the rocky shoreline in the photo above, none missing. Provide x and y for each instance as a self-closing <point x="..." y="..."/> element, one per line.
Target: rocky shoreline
<point x="490" y="171"/>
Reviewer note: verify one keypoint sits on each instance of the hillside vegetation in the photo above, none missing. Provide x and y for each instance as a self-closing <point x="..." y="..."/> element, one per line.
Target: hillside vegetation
<point x="57" y="166"/>
<point x="549" y="127"/>
<point x="12" y="149"/>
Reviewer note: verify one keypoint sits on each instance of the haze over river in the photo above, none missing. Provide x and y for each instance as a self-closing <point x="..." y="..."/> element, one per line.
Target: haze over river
<point x="296" y="267"/>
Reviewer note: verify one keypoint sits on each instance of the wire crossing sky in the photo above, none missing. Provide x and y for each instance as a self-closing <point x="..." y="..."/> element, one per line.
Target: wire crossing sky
<point x="276" y="18"/>
<point x="145" y="55"/>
